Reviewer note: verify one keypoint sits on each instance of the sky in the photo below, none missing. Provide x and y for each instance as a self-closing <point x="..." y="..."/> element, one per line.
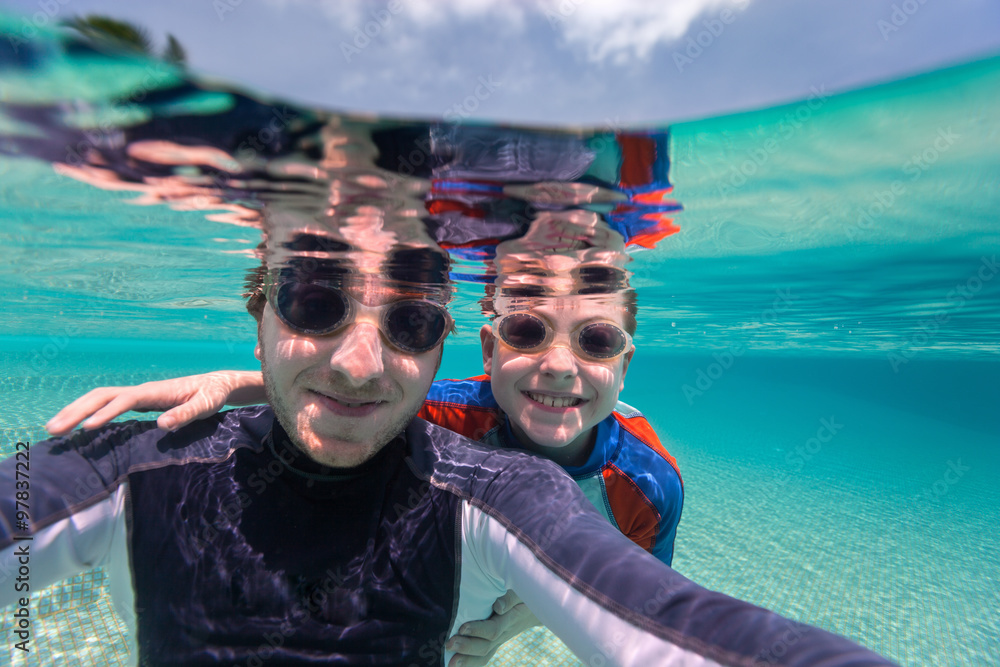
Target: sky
<point x="556" y="62"/>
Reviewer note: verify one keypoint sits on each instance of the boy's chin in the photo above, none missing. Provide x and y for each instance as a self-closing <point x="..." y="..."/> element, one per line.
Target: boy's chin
<point x="553" y="442"/>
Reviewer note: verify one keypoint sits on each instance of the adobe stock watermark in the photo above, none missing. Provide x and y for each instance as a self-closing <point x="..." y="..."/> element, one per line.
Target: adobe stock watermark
<point x="47" y="12"/>
<point x="929" y="328"/>
<point x="757" y="157"/>
<point x="486" y="86"/>
<point x="915" y="167"/>
<point x="54" y="346"/>
<point x="107" y="131"/>
<point x="312" y="604"/>
<point x="798" y="457"/>
<point x="563" y="10"/>
<point x="899" y="17"/>
<point x="609" y="651"/>
<point x="953" y="473"/>
<point x="706" y="377"/>
<point x="362" y="35"/>
<point x="704" y="39"/>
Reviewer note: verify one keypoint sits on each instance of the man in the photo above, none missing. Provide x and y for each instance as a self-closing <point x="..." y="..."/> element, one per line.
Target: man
<point x="333" y="528"/>
<point x="555" y="359"/>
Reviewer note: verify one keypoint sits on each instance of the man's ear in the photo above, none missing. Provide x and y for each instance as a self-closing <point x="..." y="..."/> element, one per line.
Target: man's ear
<point x="489" y="344"/>
<point x="625" y="362"/>
<point x="257" y="351"/>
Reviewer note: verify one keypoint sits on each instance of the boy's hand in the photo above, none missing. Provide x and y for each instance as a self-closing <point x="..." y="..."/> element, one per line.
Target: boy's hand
<point x="477" y="641"/>
<point x="184" y="399"/>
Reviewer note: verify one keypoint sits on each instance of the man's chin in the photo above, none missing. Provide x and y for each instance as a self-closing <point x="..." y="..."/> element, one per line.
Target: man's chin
<point x="337" y="453"/>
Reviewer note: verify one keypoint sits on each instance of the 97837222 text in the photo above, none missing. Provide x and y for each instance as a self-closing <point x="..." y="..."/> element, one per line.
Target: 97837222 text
<point x="22" y="554"/>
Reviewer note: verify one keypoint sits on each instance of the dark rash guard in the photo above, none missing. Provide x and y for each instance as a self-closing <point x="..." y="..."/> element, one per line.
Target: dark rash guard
<point x="225" y="547"/>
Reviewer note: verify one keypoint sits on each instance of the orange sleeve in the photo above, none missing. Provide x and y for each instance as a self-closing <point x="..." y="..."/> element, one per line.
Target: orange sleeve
<point x="635" y="515"/>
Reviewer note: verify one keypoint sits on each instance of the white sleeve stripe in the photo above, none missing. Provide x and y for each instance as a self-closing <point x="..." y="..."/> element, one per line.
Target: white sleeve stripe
<point x="95" y="536"/>
<point x="595" y="633"/>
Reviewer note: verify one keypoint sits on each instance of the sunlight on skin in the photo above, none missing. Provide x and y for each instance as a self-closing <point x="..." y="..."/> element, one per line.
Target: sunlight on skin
<point x="347" y="393"/>
<point x="168" y="152"/>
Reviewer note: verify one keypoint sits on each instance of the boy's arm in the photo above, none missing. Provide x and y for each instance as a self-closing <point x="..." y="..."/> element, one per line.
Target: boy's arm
<point x="650" y="496"/>
<point x="672" y="501"/>
<point x="185" y="399"/>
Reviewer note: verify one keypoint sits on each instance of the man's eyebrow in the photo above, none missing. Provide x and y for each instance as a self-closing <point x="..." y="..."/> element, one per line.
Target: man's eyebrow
<point x="418" y="266"/>
<point x="524" y="290"/>
<point x="315" y="243"/>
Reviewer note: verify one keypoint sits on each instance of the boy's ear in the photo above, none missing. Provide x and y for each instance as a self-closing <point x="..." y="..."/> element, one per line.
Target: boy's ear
<point x="625" y="362"/>
<point x="489" y="343"/>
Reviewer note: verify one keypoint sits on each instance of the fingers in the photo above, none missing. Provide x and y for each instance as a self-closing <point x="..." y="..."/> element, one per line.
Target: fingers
<point x="182" y="415"/>
<point x="118" y="406"/>
<point x="205" y="403"/>
<point x="87" y="405"/>
<point x="506" y="602"/>
<point x="459" y="660"/>
<point x="98" y="407"/>
<point x="487" y="630"/>
<point x="471" y="648"/>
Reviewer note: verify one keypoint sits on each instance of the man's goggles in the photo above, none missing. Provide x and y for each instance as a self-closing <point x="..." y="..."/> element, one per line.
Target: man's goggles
<point x="318" y="309"/>
<point x="599" y="341"/>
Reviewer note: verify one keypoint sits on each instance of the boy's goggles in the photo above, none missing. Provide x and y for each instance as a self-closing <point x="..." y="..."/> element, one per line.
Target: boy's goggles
<point x="599" y="341"/>
<point x="318" y="309"/>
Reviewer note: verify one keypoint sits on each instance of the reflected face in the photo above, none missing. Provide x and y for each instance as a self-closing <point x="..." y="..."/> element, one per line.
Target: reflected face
<point x="552" y="397"/>
<point x="344" y="396"/>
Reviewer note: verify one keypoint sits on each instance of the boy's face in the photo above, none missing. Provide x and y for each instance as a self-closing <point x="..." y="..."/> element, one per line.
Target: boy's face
<point x="553" y="397"/>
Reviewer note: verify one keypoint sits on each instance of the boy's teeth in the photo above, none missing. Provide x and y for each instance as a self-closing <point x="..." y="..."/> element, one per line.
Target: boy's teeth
<point x="554" y="401"/>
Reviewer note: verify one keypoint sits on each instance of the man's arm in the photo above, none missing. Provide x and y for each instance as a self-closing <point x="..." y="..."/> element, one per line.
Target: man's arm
<point x="68" y="514"/>
<point x="607" y="599"/>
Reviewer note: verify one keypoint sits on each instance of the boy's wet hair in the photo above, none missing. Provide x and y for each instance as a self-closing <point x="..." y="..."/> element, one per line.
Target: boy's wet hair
<point x="627" y="299"/>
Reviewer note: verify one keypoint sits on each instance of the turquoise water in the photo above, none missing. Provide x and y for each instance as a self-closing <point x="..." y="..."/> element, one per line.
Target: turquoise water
<point x="835" y="267"/>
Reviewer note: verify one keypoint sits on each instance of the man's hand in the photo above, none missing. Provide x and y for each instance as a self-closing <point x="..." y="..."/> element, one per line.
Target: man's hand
<point x="477" y="641"/>
<point x="184" y="399"/>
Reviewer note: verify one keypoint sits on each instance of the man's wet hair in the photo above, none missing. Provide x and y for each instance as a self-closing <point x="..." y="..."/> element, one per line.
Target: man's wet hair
<point x="413" y="271"/>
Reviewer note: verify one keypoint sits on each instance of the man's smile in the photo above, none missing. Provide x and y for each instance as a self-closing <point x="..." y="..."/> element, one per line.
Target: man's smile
<point x="347" y="405"/>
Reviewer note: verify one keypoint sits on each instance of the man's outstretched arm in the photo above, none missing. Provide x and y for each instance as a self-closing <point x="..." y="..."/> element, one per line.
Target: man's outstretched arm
<point x="528" y="528"/>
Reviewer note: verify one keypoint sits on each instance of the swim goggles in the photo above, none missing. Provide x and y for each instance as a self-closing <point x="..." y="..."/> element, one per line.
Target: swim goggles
<point x="318" y="308"/>
<point x="597" y="341"/>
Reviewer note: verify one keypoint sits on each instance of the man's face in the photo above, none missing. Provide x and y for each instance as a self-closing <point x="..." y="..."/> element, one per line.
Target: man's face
<point x="553" y="397"/>
<point x="342" y="397"/>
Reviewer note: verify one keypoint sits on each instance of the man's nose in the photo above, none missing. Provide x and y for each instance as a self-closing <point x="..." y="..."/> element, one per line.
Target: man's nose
<point x="358" y="355"/>
<point x="559" y="362"/>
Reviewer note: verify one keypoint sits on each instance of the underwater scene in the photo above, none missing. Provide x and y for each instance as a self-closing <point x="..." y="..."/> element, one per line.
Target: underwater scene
<point x="818" y="305"/>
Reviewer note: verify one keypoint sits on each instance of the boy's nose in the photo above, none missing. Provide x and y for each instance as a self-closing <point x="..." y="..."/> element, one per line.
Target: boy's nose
<point x="358" y="355"/>
<point x="559" y="362"/>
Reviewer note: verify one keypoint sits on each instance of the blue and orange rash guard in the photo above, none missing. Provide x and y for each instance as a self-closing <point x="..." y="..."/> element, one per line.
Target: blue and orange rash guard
<point x="225" y="545"/>
<point x="629" y="477"/>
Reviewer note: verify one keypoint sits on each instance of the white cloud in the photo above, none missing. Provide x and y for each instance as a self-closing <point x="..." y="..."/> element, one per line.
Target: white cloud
<point x="619" y="30"/>
<point x="629" y="29"/>
<point x="349" y="13"/>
